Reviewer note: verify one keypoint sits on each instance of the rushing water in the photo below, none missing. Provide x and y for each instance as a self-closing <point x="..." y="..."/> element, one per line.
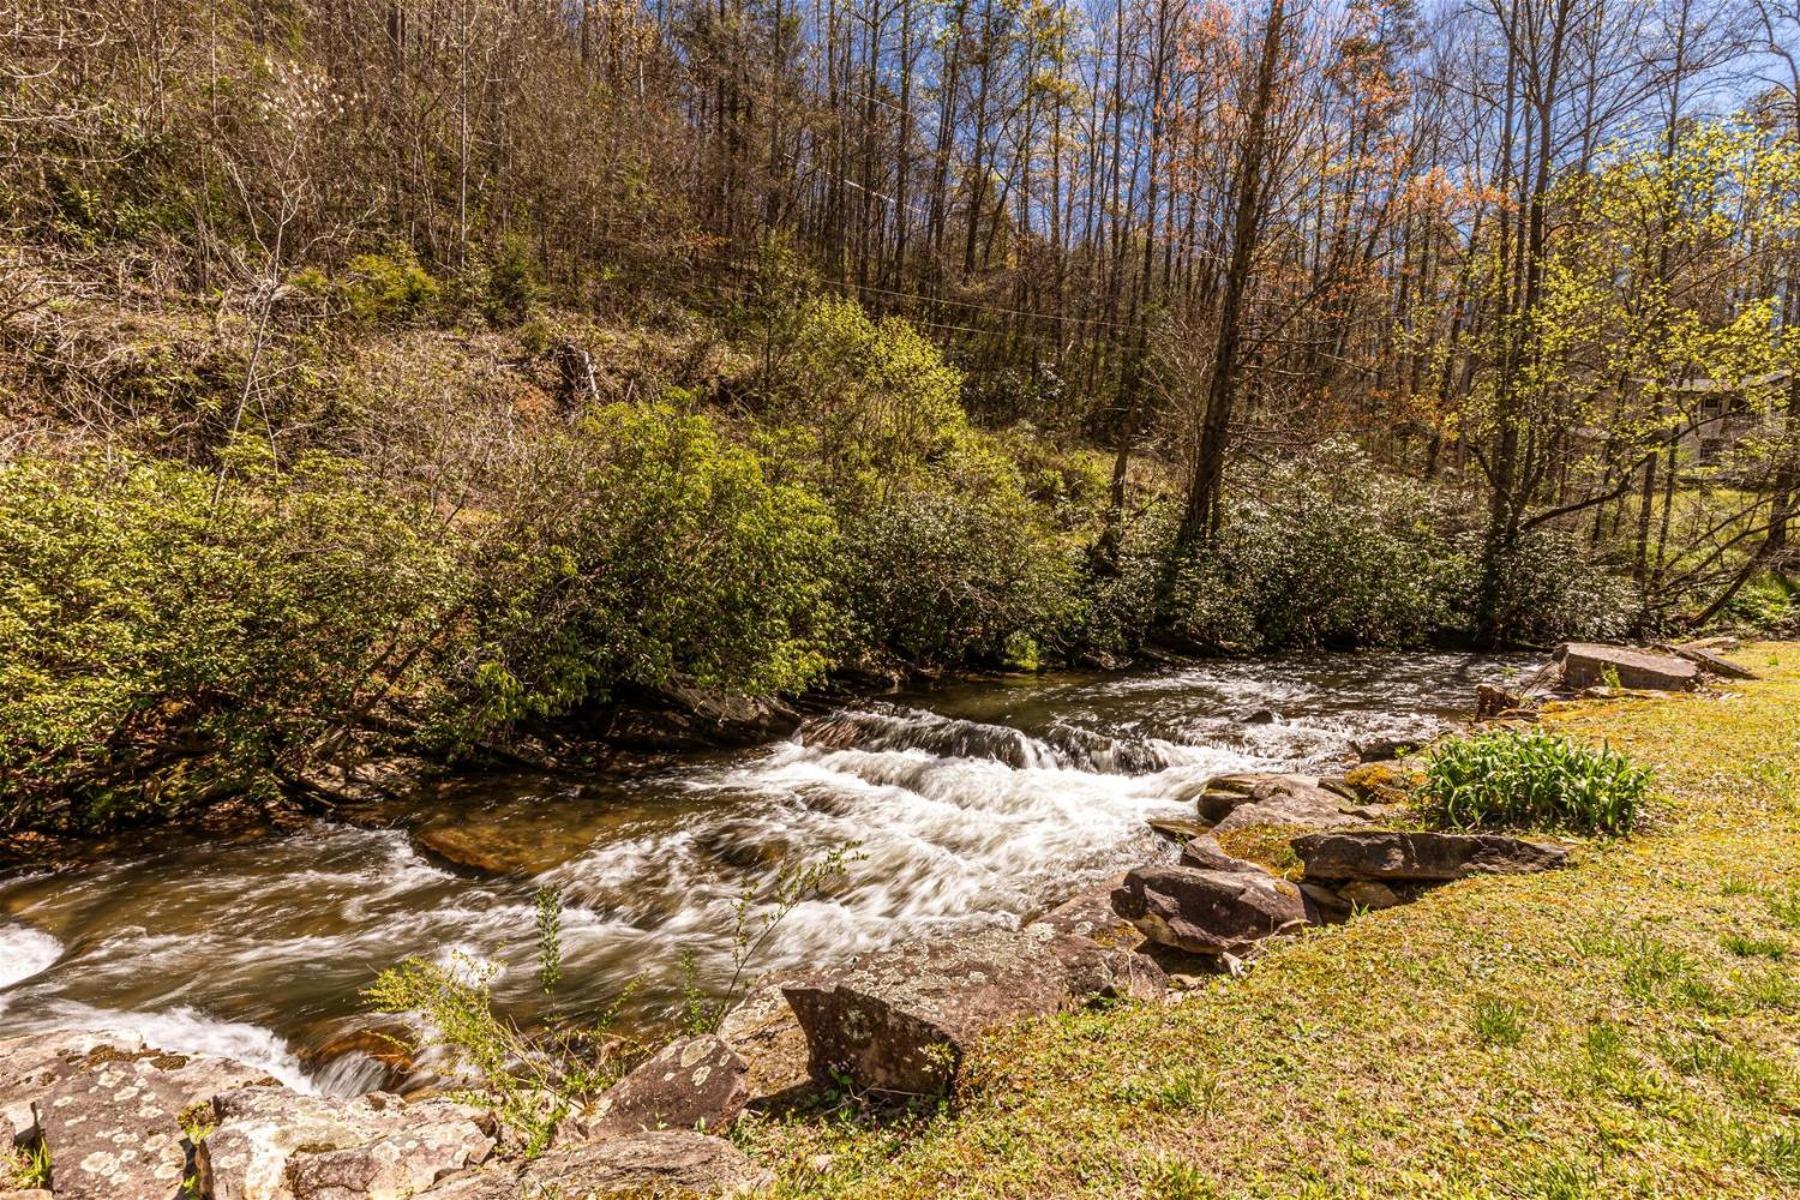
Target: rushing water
<point x="970" y="805"/>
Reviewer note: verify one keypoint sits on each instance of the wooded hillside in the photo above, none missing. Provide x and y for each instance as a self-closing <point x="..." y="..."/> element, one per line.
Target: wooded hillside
<point x="476" y="359"/>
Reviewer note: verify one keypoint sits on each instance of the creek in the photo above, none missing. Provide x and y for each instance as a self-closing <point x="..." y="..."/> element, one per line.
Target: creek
<point x="969" y="804"/>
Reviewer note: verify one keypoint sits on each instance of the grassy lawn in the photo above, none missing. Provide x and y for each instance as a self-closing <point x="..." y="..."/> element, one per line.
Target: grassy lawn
<point x="1626" y="1028"/>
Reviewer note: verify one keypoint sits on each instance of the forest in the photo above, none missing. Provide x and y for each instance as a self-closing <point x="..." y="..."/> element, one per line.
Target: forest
<point x="442" y="371"/>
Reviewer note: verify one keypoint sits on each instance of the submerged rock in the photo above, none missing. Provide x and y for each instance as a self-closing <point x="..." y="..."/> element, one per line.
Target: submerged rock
<point x="1209" y="912"/>
<point x="274" y="1144"/>
<point x="1425" y="857"/>
<point x="1586" y="665"/>
<point x="694" y="1083"/>
<point x="108" y="1108"/>
<point x="901" y="1020"/>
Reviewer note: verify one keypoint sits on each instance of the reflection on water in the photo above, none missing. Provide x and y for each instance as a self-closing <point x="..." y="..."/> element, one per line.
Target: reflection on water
<point x="971" y="805"/>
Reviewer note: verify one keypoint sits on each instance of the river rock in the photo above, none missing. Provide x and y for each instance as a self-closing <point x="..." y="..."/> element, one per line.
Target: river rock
<point x="1209" y="912"/>
<point x="108" y="1108"/>
<point x="1425" y="857"/>
<point x="693" y="1083"/>
<point x="764" y="1031"/>
<point x="901" y="1020"/>
<point x="1090" y="915"/>
<point x="1204" y="853"/>
<point x="1706" y="657"/>
<point x="671" y="1162"/>
<point x="275" y="1144"/>
<point x="1241" y="801"/>
<point x="1586" y="665"/>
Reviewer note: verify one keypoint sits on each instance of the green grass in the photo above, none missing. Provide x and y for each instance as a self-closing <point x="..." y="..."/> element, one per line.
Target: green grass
<point x="1595" y="1032"/>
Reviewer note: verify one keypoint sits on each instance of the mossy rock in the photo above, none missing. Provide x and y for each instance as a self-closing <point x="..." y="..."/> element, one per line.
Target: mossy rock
<point x="1387" y="782"/>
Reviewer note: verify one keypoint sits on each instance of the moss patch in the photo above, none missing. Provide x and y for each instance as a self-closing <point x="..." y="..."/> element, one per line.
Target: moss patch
<point x="1616" y="1029"/>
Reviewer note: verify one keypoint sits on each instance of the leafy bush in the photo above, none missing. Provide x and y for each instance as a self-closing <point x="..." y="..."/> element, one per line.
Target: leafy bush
<point x="1552" y="588"/>
<point x="1532" y="780"/>
<point x="877" y="400"/>
<point x="1326" y="551"/>
<point x="167" y="634"/>
<point x="635" y="547"/>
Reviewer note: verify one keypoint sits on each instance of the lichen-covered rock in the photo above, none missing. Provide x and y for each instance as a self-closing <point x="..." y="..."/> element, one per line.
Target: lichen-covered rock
<point x="1209" y="912"/>
<point x="765" y="1033"/>
<point x="274" y="1144"/>
<point x="900" y="1020"/>
<point x="667" y="1163"/>
<point x="1424" y="857"/>
<point x="693" y="1083"/>
<point x="1384" y="783"/>
<point x="1586" y="665"/>
<point x="1090" y="915"/>
<point x="108" y="1108"/>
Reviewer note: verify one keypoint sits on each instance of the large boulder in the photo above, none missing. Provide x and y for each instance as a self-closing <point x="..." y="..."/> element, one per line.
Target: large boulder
<point x="671" y="1162"/>
<point x="901" y="1020"/>
<point x="108" y="1108"/>
<point x="1209" y="912"/>
<point x="1421" y="857"/>
<point x="274" y="1144"/>
<point x="693" y="1083"/>
<point x="1242" y="801"/>
<point x="1586" y="665"/>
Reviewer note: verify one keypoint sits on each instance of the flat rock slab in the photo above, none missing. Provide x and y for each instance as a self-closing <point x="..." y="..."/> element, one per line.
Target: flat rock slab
<point x="1242" y="801"/>
<point x="1422" y="857"/>
<point x="901" y="1020"/>
<point x="1586" y="665"/>
<point x="1709" y="659"/>
<point x="109" y="1108"/>
<point x="692" y="1083"/>
<point x="275" y="1144"/>
<point x="1205" y="853"/>
<point x="665" y="1163"/>
<point x="1209" y="912"/>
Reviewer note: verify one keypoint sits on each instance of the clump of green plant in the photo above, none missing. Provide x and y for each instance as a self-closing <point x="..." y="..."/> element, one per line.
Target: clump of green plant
<point x="1499" y="1023"/>
<point x="529" y="1084"/>
<point x="548" y="902"/>
<point x="756" y="916"/>
<point x="26" y="1168"/>
<point x="1535" y="780"/>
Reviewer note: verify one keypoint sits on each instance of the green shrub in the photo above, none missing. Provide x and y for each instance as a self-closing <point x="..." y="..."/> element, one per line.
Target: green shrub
<point x="637" y="546"/>
<point x="1552" y="588"/>
<point x="1532" y="780"/>
<point x="1325" y="550"/>
<point x="168" y="635"/>
<point x="939" y="577"/>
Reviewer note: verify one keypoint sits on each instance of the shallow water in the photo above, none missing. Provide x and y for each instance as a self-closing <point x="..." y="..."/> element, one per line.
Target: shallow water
<point x="968" y="805"/>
